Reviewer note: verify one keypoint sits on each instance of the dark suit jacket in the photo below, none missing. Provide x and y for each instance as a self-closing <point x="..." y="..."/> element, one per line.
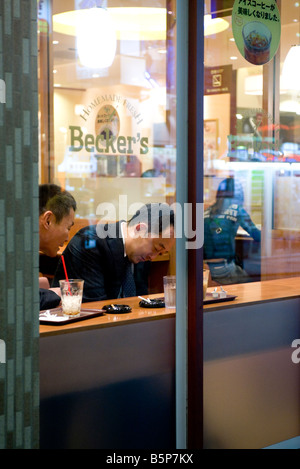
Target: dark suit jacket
<point x="48" y="299"/>
<point x="98" y="260"/>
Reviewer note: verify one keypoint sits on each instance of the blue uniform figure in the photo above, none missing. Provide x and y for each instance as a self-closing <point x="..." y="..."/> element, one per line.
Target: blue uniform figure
<point x="221" y="223"/>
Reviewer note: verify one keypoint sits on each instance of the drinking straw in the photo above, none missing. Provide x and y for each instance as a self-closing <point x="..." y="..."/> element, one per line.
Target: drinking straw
<point x="65" y="269"/>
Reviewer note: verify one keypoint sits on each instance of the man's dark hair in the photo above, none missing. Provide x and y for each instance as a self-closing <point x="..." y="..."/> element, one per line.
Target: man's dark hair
<point x="55" y="199"/>
<point x="230" y="188"/>
<point x="157" y="216"/>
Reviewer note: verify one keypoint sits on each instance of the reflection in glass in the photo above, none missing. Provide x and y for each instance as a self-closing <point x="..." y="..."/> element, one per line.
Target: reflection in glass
<point x="251" y="133"/>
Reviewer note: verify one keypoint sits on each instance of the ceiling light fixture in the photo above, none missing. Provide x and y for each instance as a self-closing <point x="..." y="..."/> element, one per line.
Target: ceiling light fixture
<point x="130" y="23"/>
<point x="96" y="38"/>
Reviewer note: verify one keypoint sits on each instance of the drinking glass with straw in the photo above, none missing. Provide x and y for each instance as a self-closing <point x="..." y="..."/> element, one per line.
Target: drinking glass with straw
<point x="71" y="294"/>
<point x="66" y="274"/>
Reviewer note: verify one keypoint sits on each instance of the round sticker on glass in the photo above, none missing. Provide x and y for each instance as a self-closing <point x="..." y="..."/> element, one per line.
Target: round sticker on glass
<point x="256" y="28"/>
<point x="107" y="124"/>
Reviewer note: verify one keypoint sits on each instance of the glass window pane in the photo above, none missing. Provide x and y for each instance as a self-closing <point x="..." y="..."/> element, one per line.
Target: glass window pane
<point x="251" y="146"/>
<point x="111" y="112"/>
<point x="107" y="106"/>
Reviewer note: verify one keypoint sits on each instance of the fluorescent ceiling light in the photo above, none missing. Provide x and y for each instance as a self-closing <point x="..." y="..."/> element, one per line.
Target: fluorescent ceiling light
<point x="214" y="25"/>
<point x="129" y="22"/>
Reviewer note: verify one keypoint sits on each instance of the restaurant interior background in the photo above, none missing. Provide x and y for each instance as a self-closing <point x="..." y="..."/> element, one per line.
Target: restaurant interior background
<point x="251" y="118"/>
<point x="251" y="132"/>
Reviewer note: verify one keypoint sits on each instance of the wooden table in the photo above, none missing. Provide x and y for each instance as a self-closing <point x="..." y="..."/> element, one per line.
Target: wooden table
<point x="258" y="292"/>
<point x="138" y="314"/>
<point x="247" y="293"/>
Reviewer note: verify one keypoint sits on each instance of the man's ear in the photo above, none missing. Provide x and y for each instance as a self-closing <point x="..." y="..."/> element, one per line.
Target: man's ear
<point x="140" y="229"/>
<point x="46" y="219"/>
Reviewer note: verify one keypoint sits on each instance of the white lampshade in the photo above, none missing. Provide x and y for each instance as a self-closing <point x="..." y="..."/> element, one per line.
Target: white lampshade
<point x="290" y="77"/>
<point x="214" y="25"/>
<point x="96" y="38"/>
<point x="130" y="23"/>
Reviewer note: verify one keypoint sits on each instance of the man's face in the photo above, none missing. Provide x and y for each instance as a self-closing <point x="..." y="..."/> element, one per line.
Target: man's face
<point x="56" y="234"/>
<point x="147" y="247"/>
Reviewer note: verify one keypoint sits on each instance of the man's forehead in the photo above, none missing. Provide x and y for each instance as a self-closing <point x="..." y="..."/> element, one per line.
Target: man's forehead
<point x="167" y="233"/>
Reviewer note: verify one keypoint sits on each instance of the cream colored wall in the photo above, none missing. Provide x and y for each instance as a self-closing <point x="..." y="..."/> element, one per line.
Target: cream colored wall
<point x="251" y="101"/>
<point x="218" y="107"/>
<point x="64" y="115"/>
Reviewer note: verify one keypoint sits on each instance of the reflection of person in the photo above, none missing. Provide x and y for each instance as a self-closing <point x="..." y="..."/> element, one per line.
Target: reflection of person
<point x="103" y="255"/>
<point x="221" y="222"/>
<point x="56" y="216"/>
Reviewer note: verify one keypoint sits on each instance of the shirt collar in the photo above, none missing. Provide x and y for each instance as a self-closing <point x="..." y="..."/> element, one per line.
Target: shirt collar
<point x="122" y="233"/>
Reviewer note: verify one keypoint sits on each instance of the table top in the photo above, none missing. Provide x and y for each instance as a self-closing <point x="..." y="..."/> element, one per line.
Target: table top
<point x="137" y="314"/>
<point x="257" y="292"/>
<point x="247" y="294"/>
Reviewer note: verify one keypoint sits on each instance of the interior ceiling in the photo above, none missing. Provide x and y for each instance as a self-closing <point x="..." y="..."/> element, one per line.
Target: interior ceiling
<point x="65" y="61"/>
<point x="216" y="55"/>
<point x="60" y="6"/>
<point x="65" y="51"/>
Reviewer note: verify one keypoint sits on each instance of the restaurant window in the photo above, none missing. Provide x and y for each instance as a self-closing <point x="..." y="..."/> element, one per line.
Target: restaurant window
<point x="252" y="143"/>
<point x="107" y="89"/>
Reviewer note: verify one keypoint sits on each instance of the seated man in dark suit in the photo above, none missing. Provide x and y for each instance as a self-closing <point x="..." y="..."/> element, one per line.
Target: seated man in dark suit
<point x="103" y="255"/>
<point x="56" y="216"/>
